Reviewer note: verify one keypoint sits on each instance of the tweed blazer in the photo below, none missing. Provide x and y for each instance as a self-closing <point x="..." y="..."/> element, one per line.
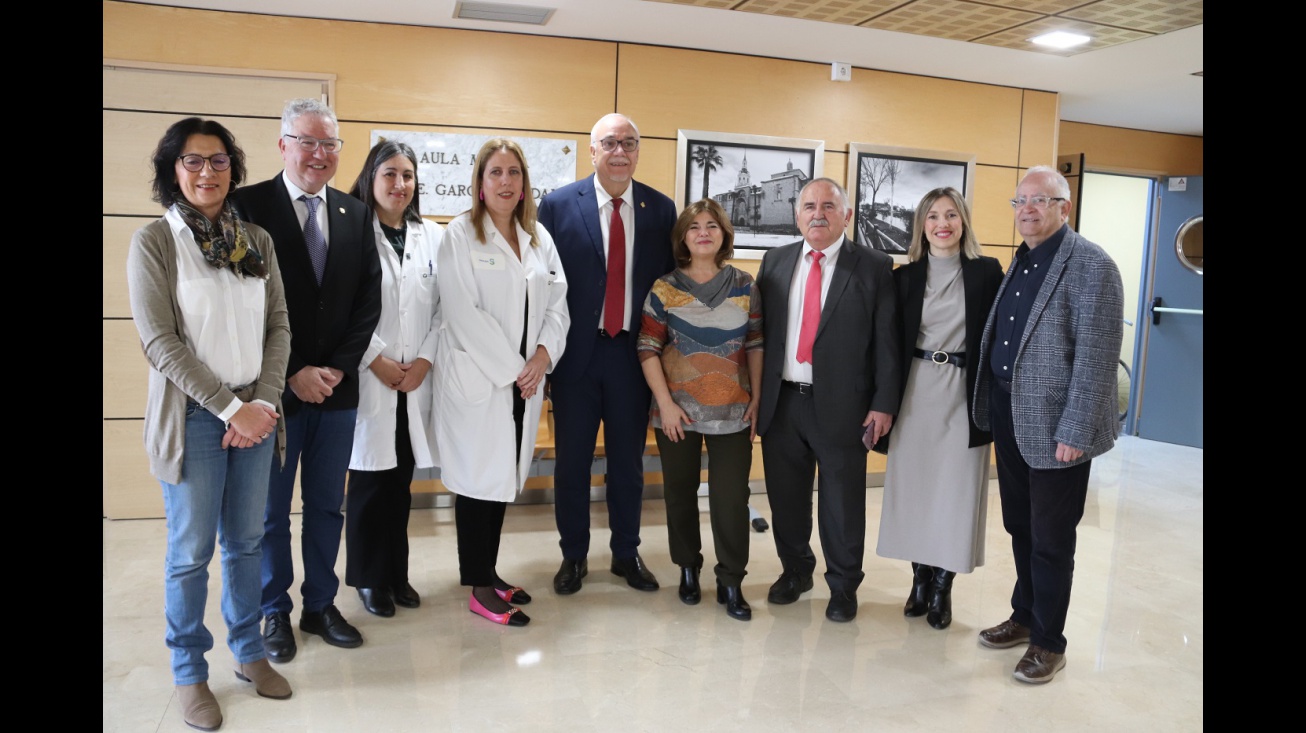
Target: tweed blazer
<point x="1064" y="377"/>
<point x="175" y="373"/>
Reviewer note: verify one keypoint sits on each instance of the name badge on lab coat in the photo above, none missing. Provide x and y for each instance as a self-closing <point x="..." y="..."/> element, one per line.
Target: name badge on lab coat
<point x="488" y="262"/>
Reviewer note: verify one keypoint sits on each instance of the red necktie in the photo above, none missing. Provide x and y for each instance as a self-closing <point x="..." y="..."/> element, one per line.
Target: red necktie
<point x="614" y="296"/>
<point x="811" y="310"/>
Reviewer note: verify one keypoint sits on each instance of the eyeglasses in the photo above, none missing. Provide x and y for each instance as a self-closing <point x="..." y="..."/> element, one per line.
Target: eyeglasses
<point x="195" y="163"/>
<point x="1038" y="202"/>
<point x="309" y="144"/>
<point x="609" y="144"/>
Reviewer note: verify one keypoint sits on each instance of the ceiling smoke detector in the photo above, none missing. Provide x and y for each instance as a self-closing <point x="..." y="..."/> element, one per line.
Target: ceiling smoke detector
<point x="503" y="12"/>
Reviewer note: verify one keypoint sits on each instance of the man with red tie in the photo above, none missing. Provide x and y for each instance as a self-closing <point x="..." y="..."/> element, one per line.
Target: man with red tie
<point x="613" y="235"/>
<point x="829" y="380"/>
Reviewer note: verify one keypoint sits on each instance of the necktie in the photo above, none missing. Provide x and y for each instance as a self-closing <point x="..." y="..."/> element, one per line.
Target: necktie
<point x="811" y="310"/>
<point x="614" y="295"/>
<point x="316" y="243"/>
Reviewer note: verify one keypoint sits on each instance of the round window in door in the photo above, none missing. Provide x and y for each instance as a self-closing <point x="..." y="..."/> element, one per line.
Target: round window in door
<point x="1188" y="244"/>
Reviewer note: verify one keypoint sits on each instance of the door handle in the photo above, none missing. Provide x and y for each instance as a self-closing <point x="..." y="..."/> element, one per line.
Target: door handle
<point x="1157" y="309"/>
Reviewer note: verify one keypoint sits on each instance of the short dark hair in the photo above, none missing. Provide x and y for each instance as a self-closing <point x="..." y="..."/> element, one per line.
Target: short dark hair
<point x="166" y="191"/>
<point x="380" y="153"/>
<point x="687" y="217"/>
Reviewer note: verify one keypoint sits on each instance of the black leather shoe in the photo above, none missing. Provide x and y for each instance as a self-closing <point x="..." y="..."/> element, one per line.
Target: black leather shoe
<point x="760" y="525"/>
<point x="405" y="596"/>
<point x="843" y="606"/>
<point x="332" y="627"/>
<point x="788" y="588"/>
<point x="690" y="593"/>
<point x="377" y="601"/>
<point x="635" y="572"/>
<point x="279" y="638"/>
<point x="733" y="598"/>
<point x="567" y="581"/>
<point x="917" y="602"/>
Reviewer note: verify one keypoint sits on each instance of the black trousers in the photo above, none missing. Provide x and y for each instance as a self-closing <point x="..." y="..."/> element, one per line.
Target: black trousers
<point x="1040" y="510"/>
<point x="792" y="449"/>
<point x="480" y="523"/>
<point x="730" y="458"/>
<point x="376" y="516"/>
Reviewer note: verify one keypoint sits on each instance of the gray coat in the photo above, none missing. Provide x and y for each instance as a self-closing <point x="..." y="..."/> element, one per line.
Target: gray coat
<point x="175" y="372"/>
<point x="1064" y="378"/>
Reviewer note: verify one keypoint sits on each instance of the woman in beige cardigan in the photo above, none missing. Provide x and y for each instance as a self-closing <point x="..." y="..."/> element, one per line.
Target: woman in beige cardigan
<point x="207" y="300"/>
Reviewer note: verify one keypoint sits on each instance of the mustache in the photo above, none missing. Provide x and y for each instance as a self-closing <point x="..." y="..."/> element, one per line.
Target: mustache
<point x="819" y="223"/>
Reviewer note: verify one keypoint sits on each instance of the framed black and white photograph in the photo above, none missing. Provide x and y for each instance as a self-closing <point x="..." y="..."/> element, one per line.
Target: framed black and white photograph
<point x="756" y="178"/>
<point x="885" y="184"/>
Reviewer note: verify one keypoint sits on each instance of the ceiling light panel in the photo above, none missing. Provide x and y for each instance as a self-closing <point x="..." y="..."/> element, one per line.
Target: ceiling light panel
<point x="503" y="12"/>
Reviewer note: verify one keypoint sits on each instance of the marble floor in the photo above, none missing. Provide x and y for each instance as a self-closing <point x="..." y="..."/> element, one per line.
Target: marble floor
<point x="612" y="658"/>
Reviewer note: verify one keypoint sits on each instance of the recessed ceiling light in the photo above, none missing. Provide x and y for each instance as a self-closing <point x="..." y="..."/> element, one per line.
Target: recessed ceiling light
<point x="1060" y="39"/>
<point x="503" y="12"/>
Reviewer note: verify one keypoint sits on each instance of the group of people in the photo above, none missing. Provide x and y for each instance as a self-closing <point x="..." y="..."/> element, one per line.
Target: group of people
<point x="291" y="329"/>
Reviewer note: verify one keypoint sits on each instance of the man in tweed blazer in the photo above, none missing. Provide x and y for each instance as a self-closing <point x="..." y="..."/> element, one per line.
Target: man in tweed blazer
<point x="1047" y="390"/>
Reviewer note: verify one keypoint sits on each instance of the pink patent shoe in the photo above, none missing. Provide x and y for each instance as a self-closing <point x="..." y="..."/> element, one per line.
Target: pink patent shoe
<point x="513" y="617"/>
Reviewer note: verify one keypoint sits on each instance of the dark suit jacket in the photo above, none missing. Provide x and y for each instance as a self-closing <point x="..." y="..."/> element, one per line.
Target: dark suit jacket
<point x="981" y="277"/>
<point x="571" y="215"/>
<point x="855" y="358"/>
<point x="331" y="324"/>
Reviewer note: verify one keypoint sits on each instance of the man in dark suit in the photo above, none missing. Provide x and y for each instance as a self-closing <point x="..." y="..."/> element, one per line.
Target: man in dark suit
<point x="332" y="278"/>
<point x="599" y="377"/>
<point x="831" y="377"/>
<point x="1047" y="388"/>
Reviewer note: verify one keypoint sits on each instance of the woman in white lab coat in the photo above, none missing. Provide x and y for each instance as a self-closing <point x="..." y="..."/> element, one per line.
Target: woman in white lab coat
<point x="504" y="324"/>
<point x="393" y="433"/>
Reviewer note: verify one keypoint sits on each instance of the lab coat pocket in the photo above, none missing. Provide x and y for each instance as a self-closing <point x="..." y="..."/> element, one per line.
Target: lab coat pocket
<point x="466" y="380"/>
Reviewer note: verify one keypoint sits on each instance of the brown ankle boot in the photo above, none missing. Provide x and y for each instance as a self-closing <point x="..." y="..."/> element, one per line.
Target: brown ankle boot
<point x="199" y="708"/>
<point x="267" y="681"/>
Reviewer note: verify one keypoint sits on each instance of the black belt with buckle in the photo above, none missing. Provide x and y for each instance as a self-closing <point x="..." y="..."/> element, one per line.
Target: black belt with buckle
<point x="943" y="357"/>
<point x="800" y="387"/>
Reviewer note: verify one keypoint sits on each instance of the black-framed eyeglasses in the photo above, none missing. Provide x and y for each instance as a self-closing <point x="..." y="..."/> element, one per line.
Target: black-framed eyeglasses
<point x="309" y="144"/>
<point x="195" y="163"/>
<point x="609" y="144"/>
<point x="1039" y="202"/>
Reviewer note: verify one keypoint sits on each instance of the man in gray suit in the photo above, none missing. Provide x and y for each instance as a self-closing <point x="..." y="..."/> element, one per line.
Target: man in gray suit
<point x="830" y="376"/>
<point x="1047" y="390"/>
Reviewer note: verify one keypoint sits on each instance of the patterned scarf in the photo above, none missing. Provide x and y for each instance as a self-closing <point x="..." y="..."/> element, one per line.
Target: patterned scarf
<point x="225" y="244"/>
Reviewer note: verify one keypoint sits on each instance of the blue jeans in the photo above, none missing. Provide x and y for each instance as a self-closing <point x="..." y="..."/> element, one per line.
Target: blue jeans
<point x="324" y="440"/>
<point x="222" y="493"/>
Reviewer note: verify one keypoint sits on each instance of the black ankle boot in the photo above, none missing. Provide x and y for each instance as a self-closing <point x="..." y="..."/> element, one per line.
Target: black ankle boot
<point x="689" y="590"/>
<point x="940" y="610"/>
<point x="920" y="586"/>
<point x="732" y="596"/>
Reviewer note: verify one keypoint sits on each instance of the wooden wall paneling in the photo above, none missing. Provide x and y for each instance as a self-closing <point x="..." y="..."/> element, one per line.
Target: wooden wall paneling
<point x="991" y="206"/>
<point x="1038" y="128"/>
<point x="125" y="372"/>
<point x="195" y="93"/>
<point x="1004" y="254"/>
<point x="1121" y="150"/>
<point x="118" y="231"/>
<point x="876" y="107"/>
<point x="130" y="492"/>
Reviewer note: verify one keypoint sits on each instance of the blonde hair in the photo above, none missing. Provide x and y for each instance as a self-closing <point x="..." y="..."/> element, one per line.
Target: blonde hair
<point x="970" y="246"/>
<point x="525" y="211"/>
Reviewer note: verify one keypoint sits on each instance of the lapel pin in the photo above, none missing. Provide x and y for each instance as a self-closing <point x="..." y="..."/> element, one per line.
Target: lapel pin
<point x="641" y="204"/>
<point x="342" y="209"/>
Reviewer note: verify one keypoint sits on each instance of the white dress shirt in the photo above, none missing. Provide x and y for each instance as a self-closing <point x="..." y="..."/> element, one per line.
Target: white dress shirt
<point x="793" y="370"/>
<point x="301" y="208"/>
<point x="605" y="221"/>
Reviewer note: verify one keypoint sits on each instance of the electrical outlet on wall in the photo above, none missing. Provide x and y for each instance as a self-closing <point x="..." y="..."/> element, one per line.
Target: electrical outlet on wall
<point x="840" y="71"/>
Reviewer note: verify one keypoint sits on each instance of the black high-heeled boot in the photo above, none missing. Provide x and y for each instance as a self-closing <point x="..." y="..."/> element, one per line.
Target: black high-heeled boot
<point x="920" y="586"/>
<point x="940" y="609"/>
<point x="732" y="597"/>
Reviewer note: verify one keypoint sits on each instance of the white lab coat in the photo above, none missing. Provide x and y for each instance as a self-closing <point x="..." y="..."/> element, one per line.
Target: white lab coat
<point x="408" y="329"/>
<point x="483" y="291"/>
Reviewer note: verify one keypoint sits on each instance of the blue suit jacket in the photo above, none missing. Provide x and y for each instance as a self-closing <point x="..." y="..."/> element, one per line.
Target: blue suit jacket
<point x="571" y="215"/>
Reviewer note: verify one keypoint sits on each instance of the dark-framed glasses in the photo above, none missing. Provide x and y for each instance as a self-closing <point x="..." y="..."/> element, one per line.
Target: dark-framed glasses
<point x="1038" y="202"/>
<point x="609" y="144"/>
<point x="195" y="163"/>
<point x="309" y="144"/>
